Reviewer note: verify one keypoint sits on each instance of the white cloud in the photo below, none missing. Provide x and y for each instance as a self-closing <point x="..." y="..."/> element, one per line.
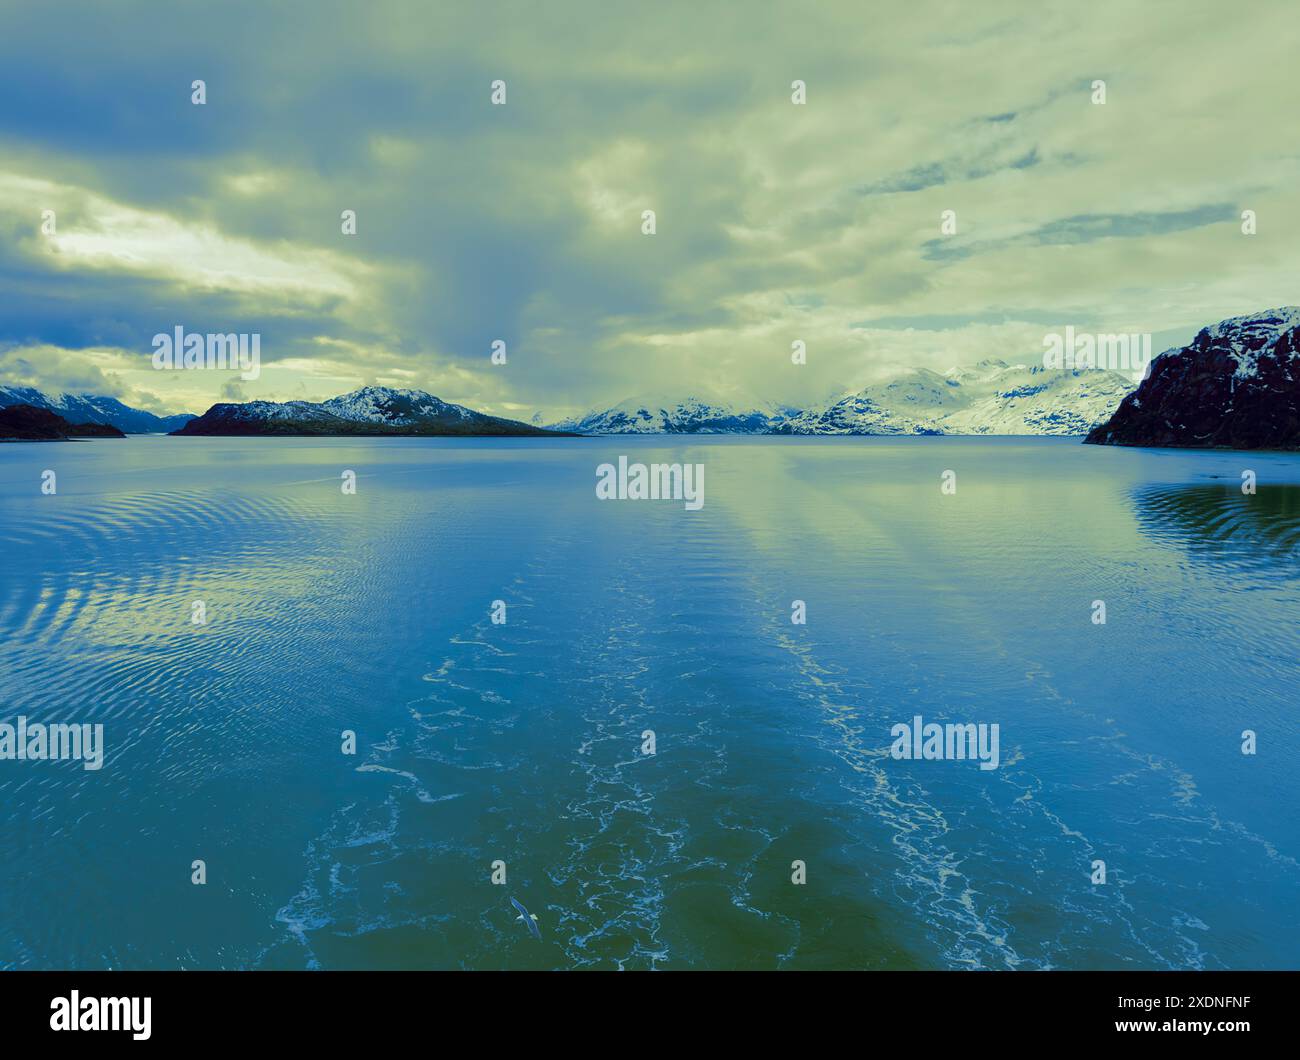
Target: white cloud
<point x="96" y="233"/>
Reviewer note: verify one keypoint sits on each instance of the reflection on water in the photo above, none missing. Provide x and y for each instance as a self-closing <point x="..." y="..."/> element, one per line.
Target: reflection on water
<point x="1220" y="525"/>
<point x="522" y="743"/>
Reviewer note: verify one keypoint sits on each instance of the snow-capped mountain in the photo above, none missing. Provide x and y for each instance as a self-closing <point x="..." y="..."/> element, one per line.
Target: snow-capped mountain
<point x="92" y="408"/>
<point x="256" y="413"/>
<point x="991" y="397"/>
<point x="690" y="415"/>
<point x="856" y="414"/>
<point x="1019" y="399"/>
<point x="27" y="423"/>
<point x="1235" y="386"/>
<point x="370" y="410"/>
<point x="383" y="404"/>
<point x="1249" y="337"/>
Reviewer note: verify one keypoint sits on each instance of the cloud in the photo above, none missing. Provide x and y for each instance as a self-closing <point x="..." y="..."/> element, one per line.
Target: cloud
<point x="91" y="232"/>
<point x="49" y="367"/>
<point x="1088" y="228"/>
<point x="522" y="223"/>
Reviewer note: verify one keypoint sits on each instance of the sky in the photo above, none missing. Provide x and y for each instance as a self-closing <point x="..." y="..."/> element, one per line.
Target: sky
<point x="775" y="222"/>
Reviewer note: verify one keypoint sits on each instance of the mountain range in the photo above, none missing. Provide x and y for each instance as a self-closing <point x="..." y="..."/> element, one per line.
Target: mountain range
<point x="666" y="415"/>
<point x="1235" y="385"/>
<point x="991" y="397"/>
<point x="370" y="410"/>
<point x="90" y="408"/>
<point x="27" y="423"/>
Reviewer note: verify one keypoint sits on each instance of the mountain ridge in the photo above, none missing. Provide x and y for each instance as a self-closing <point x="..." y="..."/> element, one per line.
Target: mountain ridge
<point x="93" y="408"/>
<point x="374" y="410"/>
<point x="991" y="397"/>
<point x="29" y="423"/>
<point x="1236" y="385"/>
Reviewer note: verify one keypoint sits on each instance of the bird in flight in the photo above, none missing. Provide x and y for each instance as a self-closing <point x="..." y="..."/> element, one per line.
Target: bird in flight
<point x="528" y="918"/>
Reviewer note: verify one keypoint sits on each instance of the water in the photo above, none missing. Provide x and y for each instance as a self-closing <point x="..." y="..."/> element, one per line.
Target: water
<point x="522" y="742"/>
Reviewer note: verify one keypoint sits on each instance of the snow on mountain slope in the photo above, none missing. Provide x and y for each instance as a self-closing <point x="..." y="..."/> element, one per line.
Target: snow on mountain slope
<point x="689" y="415"/>
<point x="1020" y="399"/>
<point x="370" y="410"/>
<point x="1249" y="335"/>
<point x="1236" y="385"/>
<point x="277" y="411"/>
<point x="383" y="404"/>
<point x="92" y="408"/>
<point x="991" y="397"/>
<point x="855" y="414"/>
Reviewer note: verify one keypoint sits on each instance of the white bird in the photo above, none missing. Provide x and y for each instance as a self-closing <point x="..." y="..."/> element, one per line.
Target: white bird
<point x="528" y="918"/>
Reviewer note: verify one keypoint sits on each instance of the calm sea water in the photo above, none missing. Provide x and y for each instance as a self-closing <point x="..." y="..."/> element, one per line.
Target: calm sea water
<point x="522" y="742"/>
